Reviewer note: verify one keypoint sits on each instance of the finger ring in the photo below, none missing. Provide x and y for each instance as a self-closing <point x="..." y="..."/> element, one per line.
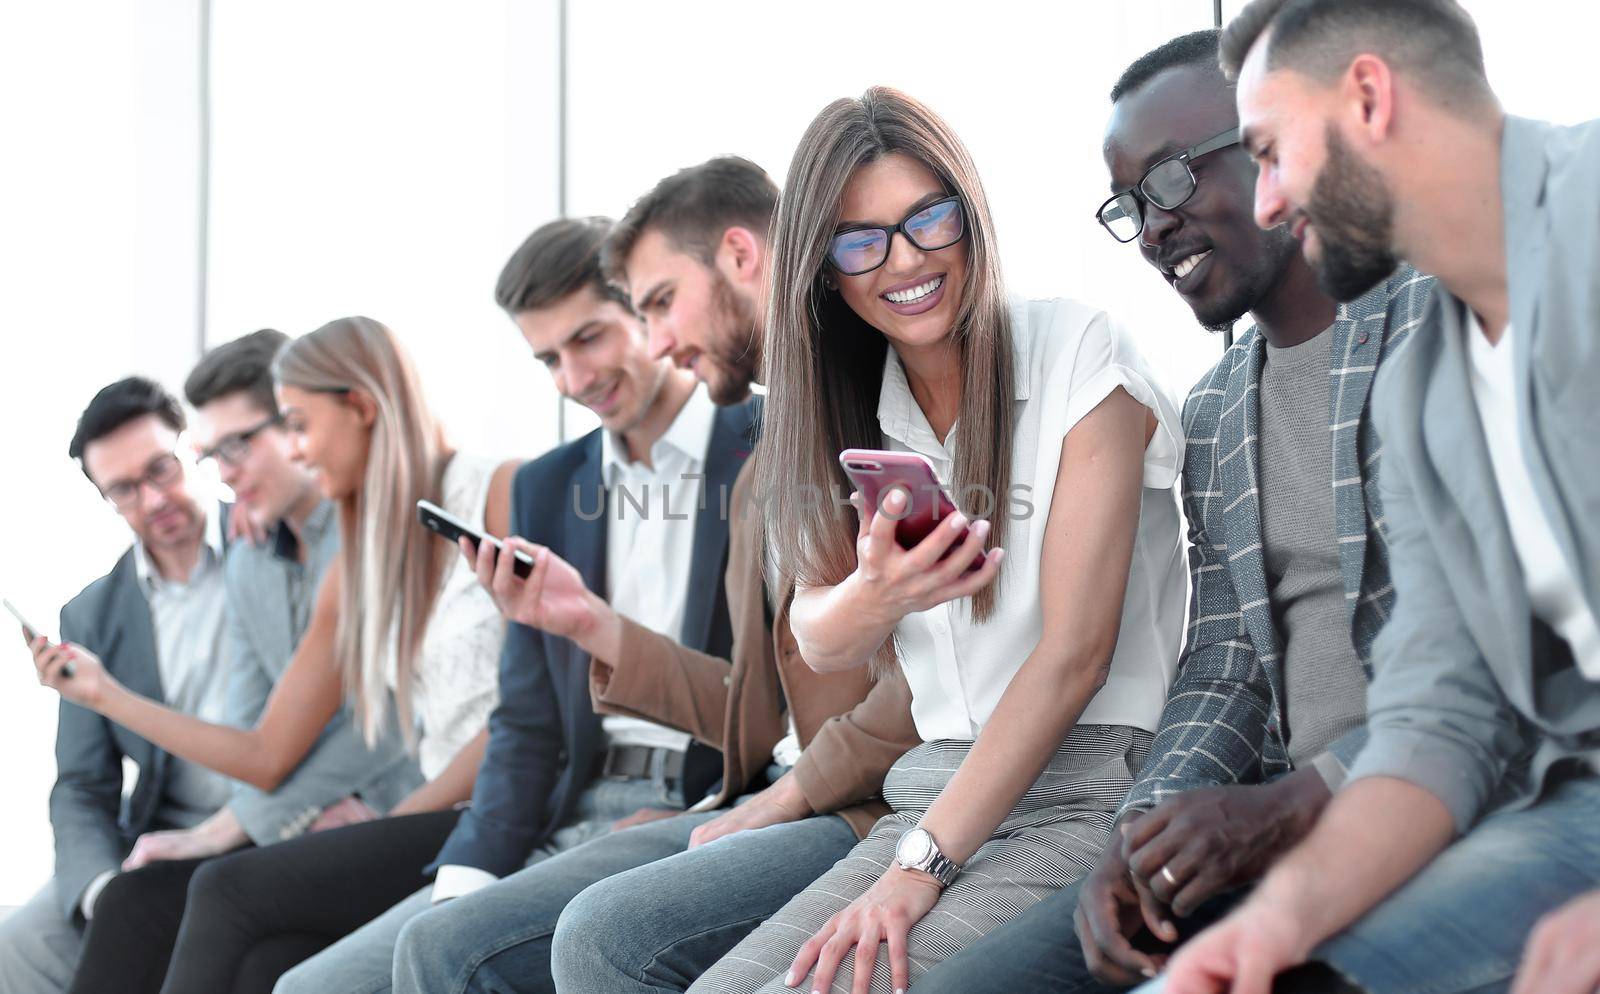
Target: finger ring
<point x="1166" y="874"/>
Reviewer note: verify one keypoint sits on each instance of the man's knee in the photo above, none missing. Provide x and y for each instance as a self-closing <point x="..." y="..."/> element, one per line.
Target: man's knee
<point x="38" y="948"/>
<point x="587" y="923"/>
<point x="422" y="948"/>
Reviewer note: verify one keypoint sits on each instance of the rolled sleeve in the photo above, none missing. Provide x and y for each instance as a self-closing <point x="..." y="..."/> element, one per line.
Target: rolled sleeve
<point x="1331" y="769"/>
<point x="1437" y="717"/>
<point x="1419" y="756"/>
<point x="1343" y="752"/>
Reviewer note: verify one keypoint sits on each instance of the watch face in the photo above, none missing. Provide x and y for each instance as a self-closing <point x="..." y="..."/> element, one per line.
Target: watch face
<point x="914" y="848"/>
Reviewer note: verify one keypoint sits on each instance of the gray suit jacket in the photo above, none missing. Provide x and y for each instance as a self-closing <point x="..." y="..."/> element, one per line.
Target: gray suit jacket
<point x="270" y="599"/>
<point x="1472" y="698"/>
<point x="94" y="824"/>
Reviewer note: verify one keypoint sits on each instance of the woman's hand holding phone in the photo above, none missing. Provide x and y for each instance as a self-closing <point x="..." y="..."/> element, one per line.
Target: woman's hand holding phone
<point x="73" y="672"/>
<point x="935" y="570"/>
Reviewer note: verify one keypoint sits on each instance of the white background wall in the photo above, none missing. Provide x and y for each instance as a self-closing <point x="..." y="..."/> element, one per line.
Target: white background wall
<point x="384" y="157"/>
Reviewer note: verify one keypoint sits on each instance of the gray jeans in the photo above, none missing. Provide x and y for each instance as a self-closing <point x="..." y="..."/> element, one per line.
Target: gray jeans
<point x="38" y="948"/>
<point x="363" y="962"/>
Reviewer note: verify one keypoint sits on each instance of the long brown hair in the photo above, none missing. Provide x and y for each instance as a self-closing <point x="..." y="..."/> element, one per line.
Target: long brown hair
<point x="824" y="364"/>
<point x="392" y="569"/>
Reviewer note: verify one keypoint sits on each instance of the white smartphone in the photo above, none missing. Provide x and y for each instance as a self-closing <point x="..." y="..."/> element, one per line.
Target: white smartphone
<point x="30" y="631"/>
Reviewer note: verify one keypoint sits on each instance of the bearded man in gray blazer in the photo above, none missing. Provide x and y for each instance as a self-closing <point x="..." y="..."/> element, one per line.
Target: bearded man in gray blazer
<point x="1465" y="838"/>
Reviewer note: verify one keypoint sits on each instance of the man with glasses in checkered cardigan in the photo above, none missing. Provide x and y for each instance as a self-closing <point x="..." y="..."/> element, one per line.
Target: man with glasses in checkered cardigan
<point x="1289" y="559"/>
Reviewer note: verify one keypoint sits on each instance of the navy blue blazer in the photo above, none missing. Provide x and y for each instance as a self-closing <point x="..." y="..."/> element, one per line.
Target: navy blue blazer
<point x="544" y="736"/>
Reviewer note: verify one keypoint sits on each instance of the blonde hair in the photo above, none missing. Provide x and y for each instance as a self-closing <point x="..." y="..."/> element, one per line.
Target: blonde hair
<point x="392" y="569"/>
<point x="824" y="364"/>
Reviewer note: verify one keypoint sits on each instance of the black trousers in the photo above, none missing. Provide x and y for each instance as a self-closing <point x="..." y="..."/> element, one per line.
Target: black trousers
<point x="128" y="943"/>
<point x="234" y="924"/>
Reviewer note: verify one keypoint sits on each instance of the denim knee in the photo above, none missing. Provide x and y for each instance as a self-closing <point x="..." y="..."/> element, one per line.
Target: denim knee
<point x="586" y="927"/>
<point x="422" y="949"/>
<point x="301" y="979"/>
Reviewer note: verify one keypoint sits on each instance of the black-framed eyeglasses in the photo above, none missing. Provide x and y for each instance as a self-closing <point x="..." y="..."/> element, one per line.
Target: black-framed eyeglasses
<point x="856" y="251"/>
<point x="161" y="472"/>
<point x="232" y="449"/>
<point x="1168" y="184"/>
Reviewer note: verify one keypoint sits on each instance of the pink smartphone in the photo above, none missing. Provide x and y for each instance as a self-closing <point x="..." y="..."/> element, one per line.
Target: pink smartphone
<point x="875" y="472"/>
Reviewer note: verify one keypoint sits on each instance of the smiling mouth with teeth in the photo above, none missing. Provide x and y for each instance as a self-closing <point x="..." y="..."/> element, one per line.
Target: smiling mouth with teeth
<point x="916" y="293"/>
<point x="1186" y="267"/>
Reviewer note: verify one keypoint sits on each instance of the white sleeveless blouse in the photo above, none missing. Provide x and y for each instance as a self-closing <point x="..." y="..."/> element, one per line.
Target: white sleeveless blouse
<point x="456" y="683"/>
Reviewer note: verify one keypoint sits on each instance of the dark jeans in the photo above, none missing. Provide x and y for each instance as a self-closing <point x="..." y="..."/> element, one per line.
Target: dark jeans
<point x="254" y="914"/>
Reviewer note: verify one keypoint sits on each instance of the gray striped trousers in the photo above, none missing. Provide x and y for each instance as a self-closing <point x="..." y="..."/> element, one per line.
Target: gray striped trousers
<point x="1050" y="839"/>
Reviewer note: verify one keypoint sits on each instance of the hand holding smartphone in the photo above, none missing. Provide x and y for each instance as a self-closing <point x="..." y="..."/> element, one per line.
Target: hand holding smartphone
<point x="31" y="632"/>
<point x="875" y="472"/>
<point x="452" y="529"/>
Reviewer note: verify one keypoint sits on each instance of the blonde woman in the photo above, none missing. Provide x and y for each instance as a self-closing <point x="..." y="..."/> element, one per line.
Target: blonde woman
<point x="1037" y="679"/>
<point x="400" y="632"/>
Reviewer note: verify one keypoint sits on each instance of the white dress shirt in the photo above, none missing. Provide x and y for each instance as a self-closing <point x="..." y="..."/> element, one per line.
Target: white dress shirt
<point x="647" y="568"/>
<point x="1553" y="589"/>
<point x="1069" y="357"/>
<point x="650" y="522"/>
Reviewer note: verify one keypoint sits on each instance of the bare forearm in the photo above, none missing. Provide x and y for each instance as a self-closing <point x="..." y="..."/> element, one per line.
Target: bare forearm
<point x="1372" y="837"/>
<point x="224" y="830"/>
<point x="1038" y="710"/>
<point x="838" y="628"/>
<point x="454" y="783"/>
<point x="601" y="635"/>
<point x="243" y="754"/>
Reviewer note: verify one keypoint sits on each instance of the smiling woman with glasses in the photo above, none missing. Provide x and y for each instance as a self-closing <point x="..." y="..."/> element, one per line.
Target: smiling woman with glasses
<point x="1168" y="184"/>
<point x="890" y="328"/>
<point x="856" y="251"/>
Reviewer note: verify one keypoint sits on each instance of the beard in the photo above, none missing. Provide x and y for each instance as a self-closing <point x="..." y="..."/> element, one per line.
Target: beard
<point x="734" y="350"/>
<point x="1253" y="284"/>
<point x="1353" y="214"/>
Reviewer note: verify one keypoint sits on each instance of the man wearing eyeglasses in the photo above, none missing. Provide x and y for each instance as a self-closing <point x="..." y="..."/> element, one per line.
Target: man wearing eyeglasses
<point x="1289" y="558"/>
<point x="157" y="621"/>
<point x="269" y="590"/>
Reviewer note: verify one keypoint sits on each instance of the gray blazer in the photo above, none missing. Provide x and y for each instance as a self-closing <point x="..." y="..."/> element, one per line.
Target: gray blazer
<point x="94" y="823"/>
<point x="270" y="599"/>
<point x="1472" y="698"/>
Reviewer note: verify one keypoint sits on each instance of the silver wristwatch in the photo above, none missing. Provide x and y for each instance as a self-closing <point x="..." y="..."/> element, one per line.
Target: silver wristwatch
<point x="916" y="850"/>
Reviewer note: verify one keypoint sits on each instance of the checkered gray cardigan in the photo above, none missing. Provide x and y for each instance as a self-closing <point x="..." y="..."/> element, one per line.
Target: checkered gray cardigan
<point x="1224" y="717"/>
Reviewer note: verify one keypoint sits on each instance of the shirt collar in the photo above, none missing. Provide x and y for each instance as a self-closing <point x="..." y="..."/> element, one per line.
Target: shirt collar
<point x="689" y="434"/>
<point x="902" y="419"/>
<point x="211" y="551"/>
<point x="286" y="545"/>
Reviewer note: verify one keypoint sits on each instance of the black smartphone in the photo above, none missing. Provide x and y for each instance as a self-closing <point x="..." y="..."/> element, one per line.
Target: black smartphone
<point x="452" y="529"/>
<point x="30" y="631"/>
